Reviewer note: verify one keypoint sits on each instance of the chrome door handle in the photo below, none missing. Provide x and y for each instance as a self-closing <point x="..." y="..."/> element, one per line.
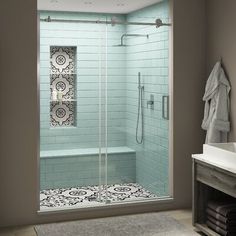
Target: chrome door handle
<point x="165" y="107"/>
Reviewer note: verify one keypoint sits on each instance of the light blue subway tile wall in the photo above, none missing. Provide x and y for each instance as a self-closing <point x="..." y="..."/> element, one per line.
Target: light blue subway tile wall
<point x="90" y="41"/>
<point x="150" y="57"/>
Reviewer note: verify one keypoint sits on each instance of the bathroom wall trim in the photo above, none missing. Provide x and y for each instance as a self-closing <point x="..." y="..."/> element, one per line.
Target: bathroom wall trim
<point x="38" y="109"/>
<point x="171" y="102"/>
<point x="109" y="206"/>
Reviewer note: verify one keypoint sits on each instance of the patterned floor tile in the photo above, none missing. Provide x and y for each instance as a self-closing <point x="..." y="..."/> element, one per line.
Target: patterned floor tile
<point x="81" y="196"/>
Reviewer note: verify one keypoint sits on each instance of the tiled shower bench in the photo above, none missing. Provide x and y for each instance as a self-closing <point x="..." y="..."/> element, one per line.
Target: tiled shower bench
<point x="80" y="167"/>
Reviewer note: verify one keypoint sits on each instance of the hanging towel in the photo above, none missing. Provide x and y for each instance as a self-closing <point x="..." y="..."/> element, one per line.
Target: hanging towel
<point x="216" y="112"/>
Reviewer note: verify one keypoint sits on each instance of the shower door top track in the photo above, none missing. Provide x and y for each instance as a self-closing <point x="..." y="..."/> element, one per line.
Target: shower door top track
<point x="113" y="22"/>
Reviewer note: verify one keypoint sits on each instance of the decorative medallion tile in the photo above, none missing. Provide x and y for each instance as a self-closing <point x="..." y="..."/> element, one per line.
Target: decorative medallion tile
<point x="63" y="60"/>
<point x="65" y="83"/>
<point x="62" y="114"/>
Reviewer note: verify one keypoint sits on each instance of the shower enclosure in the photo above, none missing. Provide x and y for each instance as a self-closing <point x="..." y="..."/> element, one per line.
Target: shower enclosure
<point x="104" y="107"/>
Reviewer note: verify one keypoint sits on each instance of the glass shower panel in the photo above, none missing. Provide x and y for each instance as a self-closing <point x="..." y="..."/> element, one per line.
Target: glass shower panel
<point x="104" y="108"/>
<point x="103" y="113"/>
<point x="72" y="111"/>
<point x="138" y="107"/>
<point x="116" y="109"/>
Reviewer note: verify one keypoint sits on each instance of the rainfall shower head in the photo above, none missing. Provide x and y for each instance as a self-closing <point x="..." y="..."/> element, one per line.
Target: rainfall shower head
<point x="129" y="35"/>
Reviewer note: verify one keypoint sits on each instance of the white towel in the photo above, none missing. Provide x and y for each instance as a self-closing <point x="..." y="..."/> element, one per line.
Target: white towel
<point x="216" y="112"/>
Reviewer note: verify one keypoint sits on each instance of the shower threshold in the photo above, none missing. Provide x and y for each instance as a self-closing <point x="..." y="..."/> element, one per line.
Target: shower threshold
<point x="89" y="195"/>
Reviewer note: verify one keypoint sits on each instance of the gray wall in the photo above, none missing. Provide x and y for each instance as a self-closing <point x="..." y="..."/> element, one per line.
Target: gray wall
<point x="19" y="130"/>
<point x="19" y="121"/>
<point x="188" y="85"/>
<point x="221" y="42"/>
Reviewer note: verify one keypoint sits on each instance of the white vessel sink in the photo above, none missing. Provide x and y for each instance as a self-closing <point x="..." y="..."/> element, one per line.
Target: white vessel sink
<point x="221" y="154"/>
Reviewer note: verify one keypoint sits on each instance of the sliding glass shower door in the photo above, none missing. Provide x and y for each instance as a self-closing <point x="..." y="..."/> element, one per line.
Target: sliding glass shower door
<point x="104" y="108"/>
<point x="72" y="110"/>
<point x="138" y="110"/>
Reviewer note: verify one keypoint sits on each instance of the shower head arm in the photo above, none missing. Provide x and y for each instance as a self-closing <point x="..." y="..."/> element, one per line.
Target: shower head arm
<point x="131" y="35"/>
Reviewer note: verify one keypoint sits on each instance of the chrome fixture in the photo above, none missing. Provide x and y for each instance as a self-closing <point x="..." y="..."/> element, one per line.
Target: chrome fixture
<point x="140" y="110"/>
<point x="129" y="35"/>
<point x="165" y="107"/>
<point x="158" y="22"/>
<point x="150" y="102"/>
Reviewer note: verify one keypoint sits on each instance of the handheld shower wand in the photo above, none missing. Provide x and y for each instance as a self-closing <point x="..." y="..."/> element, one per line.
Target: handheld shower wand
<point x="139" y="140"/>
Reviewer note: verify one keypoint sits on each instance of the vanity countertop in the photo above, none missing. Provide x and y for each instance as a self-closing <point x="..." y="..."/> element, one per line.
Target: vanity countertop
<point x="208" y="160"/>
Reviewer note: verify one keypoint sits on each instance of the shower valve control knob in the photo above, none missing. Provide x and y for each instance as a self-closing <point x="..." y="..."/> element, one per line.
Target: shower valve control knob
<point x="150" y="102"/>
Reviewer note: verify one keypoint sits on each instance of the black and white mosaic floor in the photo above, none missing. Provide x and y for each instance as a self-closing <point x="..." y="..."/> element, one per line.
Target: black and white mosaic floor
<point x="89" y="195"/>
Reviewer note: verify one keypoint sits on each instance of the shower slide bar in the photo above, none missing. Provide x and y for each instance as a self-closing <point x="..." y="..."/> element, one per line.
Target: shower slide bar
<point x="112" y="22"/>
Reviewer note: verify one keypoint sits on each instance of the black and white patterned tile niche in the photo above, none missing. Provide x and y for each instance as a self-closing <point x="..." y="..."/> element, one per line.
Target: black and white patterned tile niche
<point x="63" y="80"/>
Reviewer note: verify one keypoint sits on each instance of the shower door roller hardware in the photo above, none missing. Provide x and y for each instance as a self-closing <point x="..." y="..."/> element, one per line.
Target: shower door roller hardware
<point x="165" y="107"/>
<point x="150" y="102"/>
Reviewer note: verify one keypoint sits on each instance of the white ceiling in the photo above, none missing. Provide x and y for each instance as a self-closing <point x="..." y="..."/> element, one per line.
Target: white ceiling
<point x="100" y="6"/>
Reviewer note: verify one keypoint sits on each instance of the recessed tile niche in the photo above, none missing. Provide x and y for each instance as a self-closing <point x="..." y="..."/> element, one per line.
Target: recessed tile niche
<point x="63" y="86"/>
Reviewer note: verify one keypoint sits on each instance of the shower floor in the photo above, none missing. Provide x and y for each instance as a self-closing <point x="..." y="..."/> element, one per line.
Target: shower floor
<point x="84" y="196"/>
